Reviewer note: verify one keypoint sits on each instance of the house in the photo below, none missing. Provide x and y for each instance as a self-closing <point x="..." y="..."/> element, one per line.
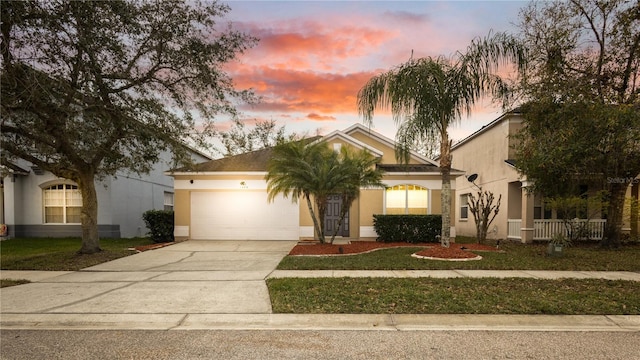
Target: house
<point x="36" y="203"/>
<point x="226" y="198"/>
<point x="487" y="156"/>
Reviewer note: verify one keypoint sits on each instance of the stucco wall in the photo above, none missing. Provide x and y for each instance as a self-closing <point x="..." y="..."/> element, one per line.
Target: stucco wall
<point x="485" y="155"/>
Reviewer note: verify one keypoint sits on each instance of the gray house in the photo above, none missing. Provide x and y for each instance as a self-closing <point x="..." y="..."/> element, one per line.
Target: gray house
<point x="36" y="203"/>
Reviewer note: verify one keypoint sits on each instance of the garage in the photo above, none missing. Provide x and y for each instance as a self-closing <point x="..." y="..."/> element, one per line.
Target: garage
<point x="242" y="215"/>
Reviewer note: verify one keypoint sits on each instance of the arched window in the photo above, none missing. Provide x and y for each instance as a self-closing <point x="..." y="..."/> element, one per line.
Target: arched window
<point x="62" y="204"/>
<point x="406" y="199"/>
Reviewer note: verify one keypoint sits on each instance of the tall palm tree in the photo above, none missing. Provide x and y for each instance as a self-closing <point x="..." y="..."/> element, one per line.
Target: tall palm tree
<point x="306" y="170"/>
<point x="428" y="95"/>
<point x="360" y="168"/>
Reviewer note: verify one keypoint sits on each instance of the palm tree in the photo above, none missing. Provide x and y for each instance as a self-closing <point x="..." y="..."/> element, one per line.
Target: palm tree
<point x="361" y="170"/>
<point x="308" y="170"/>
<point x="428" y="95"/>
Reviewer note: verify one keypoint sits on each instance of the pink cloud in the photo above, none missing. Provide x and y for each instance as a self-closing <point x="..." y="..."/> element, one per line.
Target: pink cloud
<point x="317" y="117"/>
<point x="303" y="91"/>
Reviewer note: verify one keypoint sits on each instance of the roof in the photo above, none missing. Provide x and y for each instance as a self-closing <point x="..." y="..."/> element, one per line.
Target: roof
<point x="414" y="168"/>
<point x="13" y="168"/>
<point x="251" y="161"/>
<point x="256" y="160"/>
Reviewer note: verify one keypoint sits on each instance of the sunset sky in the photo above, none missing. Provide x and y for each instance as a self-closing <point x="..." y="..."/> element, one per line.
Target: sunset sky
<point x="314" y="56"/>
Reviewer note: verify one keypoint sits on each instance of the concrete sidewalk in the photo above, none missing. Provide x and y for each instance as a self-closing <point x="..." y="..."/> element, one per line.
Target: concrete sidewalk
<point x="221" y="285"/>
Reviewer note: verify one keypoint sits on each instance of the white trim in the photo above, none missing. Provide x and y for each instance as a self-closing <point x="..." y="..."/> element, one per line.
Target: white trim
<point x="235" y="184"/>
<point x="371" y="133"/>
<point x="181" y="231"/>
<point x="217" y="173"/>
<point x="367" y="231"/>
<point x="357" y="143"/>
<point x="306" y="231"/>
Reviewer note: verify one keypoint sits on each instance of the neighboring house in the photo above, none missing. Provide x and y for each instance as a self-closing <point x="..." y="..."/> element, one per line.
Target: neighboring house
<point x="36" y="203"/>
<point x="226" y="198"/>
<point x="488" y="153"/>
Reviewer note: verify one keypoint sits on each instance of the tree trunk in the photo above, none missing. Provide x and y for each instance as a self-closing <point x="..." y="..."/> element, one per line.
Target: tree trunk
<point x="322" y="211"/>
<point x="89" y="215"/>
<point x="445" y="195"/>
<point x="316" y="225"/>
<point x="346" y="204"/>
<point x="613" y="230"/>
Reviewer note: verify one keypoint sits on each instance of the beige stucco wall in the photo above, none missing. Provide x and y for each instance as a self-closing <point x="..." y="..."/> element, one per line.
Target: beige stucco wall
<point x="485" y="155"/>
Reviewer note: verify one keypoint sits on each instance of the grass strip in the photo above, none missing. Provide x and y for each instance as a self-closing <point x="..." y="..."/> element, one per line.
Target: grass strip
<point x="61" y="254"/>
<point x="454" y="296"/>
<point x="514" y="257"/>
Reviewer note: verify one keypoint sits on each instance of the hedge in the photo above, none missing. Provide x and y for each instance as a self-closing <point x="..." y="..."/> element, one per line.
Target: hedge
<point x="407" y="228"/>
<point x="160" y="224"/>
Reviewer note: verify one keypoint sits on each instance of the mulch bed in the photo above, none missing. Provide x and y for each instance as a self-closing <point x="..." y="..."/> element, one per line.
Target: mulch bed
<point x="142" y="248"/>
<point x="432" y="250"/>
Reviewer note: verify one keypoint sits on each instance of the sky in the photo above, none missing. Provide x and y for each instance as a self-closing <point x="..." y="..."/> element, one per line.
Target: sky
<point x="314" y="56"/>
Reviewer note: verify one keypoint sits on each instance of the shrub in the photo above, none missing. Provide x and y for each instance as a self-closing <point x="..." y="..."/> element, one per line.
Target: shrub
<point x="407" y="228"/>
<point x="160" y="224"/>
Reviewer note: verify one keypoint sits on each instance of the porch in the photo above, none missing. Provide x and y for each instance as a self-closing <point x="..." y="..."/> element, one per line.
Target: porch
<point x="544" y="229"/>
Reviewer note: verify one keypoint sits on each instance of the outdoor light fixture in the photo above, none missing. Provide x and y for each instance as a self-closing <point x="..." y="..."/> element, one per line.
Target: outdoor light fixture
<point x="191" y="181"/>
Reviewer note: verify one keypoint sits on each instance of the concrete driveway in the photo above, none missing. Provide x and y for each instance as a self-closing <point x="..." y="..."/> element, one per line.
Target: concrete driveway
<point x="192" y="277"/>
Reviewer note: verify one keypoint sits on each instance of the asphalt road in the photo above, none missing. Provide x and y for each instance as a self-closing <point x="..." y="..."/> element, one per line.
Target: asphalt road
<point x="176" y="345"/>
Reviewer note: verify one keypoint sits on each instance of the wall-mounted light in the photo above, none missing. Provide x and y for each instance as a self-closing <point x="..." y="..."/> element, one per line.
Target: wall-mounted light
<point x="243" y="185"/>
<point x="191" y="181"/>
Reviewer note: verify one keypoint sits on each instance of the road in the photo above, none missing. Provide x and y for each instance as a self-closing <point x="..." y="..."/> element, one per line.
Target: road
<point x="206" y="344"/>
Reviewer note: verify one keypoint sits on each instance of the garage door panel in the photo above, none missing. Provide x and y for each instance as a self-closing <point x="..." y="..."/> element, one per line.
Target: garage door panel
<point x="242" y="215"/>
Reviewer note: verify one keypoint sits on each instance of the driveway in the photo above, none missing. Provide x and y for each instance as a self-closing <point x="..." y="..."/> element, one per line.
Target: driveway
<point x="192" y="277"/>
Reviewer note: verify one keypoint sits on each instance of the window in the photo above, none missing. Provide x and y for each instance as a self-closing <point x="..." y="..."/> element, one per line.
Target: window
<point x="464" y="207"/>
<point x="406" y="199"/>
<point x="168" y="200"/>
<point x="62" y="204"/>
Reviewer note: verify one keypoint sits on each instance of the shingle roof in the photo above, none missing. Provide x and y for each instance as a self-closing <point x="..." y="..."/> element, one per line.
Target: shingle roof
<point x="421" y="168"/>
<point x="251" y="161"/>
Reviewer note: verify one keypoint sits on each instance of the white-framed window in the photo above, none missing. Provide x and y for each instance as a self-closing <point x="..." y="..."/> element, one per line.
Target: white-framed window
<point x="464" y="206"/>
<point x="406" y="199"/>
<point x="62" y="204"/>
<point x="168" y="200"/>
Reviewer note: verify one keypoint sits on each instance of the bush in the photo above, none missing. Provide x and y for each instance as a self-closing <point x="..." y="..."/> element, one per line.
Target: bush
<point x="407" y="228"/>
<point x="160" y="225"/>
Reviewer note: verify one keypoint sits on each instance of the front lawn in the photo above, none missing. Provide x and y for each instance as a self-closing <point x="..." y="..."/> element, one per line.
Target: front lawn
<point x="583" y="257"/>
<point x="61" y="253"/>
<point x="454" y="296"/>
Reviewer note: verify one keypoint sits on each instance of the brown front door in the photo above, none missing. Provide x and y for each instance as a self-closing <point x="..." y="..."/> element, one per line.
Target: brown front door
<point x="332" y="217"/>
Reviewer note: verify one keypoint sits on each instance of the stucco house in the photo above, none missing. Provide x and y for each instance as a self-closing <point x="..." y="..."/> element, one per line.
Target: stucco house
<point x="488" y="154"/>
<point x="226" y="198"/>
<point x="36" y="203"/>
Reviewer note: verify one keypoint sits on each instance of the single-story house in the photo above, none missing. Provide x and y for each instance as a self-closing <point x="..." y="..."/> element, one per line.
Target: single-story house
<point x="487" y="156"/>
<point x="36" y="203"/>
<point x="226" y="199"/>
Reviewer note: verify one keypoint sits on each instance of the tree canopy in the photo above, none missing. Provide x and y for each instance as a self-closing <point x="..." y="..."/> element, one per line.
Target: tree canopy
<point x="241" y="139"/>
<point x="93" y="87"/>
<point x="428" y="95"/>
<point x="581" y="104"/>
<point x="311" y="170"/>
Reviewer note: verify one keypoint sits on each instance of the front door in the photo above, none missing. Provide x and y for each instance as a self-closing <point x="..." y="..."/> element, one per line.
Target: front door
<point x="332" y="217"/>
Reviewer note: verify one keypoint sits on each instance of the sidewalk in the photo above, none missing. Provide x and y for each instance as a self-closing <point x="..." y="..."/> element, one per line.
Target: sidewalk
<point x="220" y="285"/>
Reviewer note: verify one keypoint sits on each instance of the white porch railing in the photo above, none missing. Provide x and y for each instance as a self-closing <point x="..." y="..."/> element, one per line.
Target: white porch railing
<point x="545" y="229"/>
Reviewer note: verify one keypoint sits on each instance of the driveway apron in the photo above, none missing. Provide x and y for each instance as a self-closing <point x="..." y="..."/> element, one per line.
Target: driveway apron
<point x="192" y="277"/>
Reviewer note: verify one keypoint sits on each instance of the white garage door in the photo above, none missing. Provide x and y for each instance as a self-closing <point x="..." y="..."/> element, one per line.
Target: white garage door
<point x="242" y="215"/>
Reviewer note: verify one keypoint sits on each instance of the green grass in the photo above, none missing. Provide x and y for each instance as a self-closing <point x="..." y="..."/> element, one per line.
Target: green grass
<point x="516" y="257"/>
<point x="454" y="296"/>
<point x="60" y="253"/>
